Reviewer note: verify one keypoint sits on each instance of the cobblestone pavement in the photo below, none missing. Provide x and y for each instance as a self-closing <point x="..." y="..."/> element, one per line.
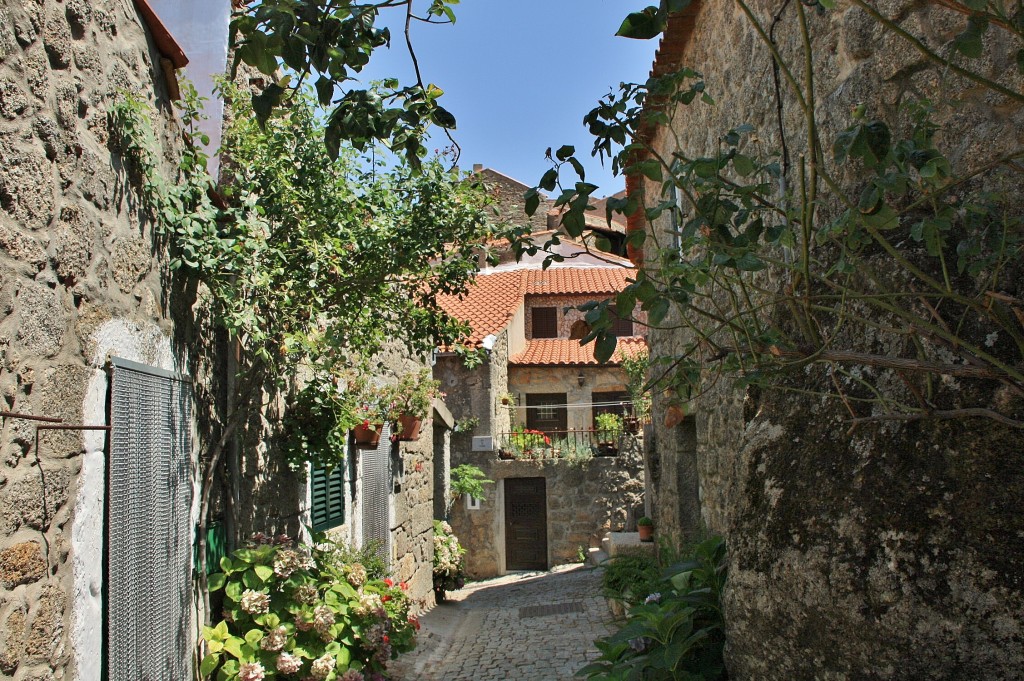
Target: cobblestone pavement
<point x="528" y="626"/>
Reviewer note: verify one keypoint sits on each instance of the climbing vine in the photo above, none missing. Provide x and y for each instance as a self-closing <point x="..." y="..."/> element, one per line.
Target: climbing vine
<point x="871" y="260"/>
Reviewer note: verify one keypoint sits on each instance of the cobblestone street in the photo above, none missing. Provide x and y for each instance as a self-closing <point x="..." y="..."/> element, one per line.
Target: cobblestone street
<point x="536" y="626"/>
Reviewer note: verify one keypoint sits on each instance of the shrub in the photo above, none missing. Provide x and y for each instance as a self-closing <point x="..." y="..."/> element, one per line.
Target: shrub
<point x="303" y="612"/>
<point x="675" y="634"/>
<point x="448" y="561"/>
<point x="631" y="578"/>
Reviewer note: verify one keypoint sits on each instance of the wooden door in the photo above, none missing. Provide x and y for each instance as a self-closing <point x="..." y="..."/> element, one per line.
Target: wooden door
<point x="526" y="524"/>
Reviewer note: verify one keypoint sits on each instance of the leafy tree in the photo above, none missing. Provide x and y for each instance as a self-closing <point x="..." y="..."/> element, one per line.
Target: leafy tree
<point x="328" y="42"/>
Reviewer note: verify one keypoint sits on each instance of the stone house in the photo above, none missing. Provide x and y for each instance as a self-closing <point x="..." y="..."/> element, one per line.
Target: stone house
<point x="535" y="375"/>
<point x="110" y="371"/>
<point x="886" y="551"/>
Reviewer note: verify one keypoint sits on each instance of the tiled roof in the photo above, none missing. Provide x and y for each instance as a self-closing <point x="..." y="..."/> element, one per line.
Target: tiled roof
<point x="490" y="304"/>
<point x="493" y="298"/>
<point x="562" y="351"/>
<point x="575" y="280"/>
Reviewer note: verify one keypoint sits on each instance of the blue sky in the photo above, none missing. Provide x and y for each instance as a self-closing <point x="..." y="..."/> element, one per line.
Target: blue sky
<point x="519" y="75"/>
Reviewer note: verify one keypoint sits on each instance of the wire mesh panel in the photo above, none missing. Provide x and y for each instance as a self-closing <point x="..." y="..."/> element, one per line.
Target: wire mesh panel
<point x="376" y="465"/>
<point x="149" y="497"/>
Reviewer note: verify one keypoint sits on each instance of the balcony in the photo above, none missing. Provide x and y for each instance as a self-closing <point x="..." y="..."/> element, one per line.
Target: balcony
<point x="572" y="445"/>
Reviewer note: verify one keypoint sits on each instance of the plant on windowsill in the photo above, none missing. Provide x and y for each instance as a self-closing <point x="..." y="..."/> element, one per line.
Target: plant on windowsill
<point x="645" y="527"/>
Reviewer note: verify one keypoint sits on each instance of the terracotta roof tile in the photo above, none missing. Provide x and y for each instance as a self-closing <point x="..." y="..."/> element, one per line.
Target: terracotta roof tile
<point x="575" y="280"/>
<point x="562" y="351"/>
<point x="489" y="305"/>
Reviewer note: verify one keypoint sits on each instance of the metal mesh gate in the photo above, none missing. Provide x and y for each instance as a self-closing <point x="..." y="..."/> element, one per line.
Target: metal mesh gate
<point x="149" y="497"/>
<point x="376" y="479"/>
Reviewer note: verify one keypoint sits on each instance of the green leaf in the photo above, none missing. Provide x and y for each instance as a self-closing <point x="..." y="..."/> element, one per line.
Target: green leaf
<point x="216" y="581"/>
<point x="564" y="152"/>
<point x="208" y="664"/>
<point x="604" y="348"/>
<point x="532" y="201"/>
<point x="657" y="311"/>
<point x="744" y="165"/>
<point x="233" y="646"/>
<point x="233" y="591"/>
<point x="642" y="25"/>
<point x="264" y="572"/>
<point x="324" y="90"/>
<point x="650" y="169"/>
<point x="549" y="180"/>
<point x="251" y="580"/>
<point x="253" y="637"/>
<point x="443" y="118"/>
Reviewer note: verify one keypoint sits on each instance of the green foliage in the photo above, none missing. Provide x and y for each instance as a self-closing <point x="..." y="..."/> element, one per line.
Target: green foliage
<point x="469" y="479"/>
<point x="304" y="611"/>
<point x="763" y="265"/>
<point x="636" y="366"/>
<point x="414" y="394"/>
<point x="299" y="263"/>
<point x="675" y="633"/>
<point x="644" y="521"/>
<point x="466" y="424"/>
<point x="295" y="42"/>
<point x="631" y="578"/>
<point x="609" y="427"/>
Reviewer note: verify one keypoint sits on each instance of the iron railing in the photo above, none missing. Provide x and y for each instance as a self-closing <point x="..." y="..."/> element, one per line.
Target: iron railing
<point x="572" y="443"/>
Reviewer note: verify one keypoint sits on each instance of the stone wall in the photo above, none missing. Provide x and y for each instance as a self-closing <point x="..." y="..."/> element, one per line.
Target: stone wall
<point x="584" y="501"/>
<point x="562" y="379"/>
<point x="81" y="278"/>
<point x="888" y="553"/>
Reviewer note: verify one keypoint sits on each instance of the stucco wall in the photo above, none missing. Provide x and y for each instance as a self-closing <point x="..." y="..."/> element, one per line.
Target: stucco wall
<point x="891" y="553"/>
<point x="82" y="279"/>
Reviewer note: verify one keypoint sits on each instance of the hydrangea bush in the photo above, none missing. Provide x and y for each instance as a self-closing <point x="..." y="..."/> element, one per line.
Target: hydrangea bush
<point x="302" y="612"/>
<point x="448" y="561"/>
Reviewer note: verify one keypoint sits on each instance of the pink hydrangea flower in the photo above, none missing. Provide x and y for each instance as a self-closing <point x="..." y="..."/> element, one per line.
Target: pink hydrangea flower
<point x="251" y="671"/>
<point x="288" y="663"/>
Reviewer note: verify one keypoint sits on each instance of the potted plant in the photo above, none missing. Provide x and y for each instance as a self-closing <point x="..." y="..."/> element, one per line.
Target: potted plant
<point x="410" y="402"/>
<point x="645" y="526"/>
<point x="526" y="441"/>
<point x="448" y="561"/>
<point x="608" y="432"/>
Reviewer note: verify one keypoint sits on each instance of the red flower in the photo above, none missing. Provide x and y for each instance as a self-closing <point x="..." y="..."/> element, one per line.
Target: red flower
<point x="385" y="598"/>
<point x="386" y="639"/>
<point x="389" y="582"/>
<point x="414" y="622"/>
<point x="403" y="586"/>
<point x="366" y="423"/>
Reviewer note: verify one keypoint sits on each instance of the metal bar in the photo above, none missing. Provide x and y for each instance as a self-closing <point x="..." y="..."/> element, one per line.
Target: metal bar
<point x="69" y="426"/>
<point x="29" y="417"/>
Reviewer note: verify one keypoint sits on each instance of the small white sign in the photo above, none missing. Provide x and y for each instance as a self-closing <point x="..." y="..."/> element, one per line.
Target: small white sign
<point x="483" y="443"/>
<point x="472" y="503"/>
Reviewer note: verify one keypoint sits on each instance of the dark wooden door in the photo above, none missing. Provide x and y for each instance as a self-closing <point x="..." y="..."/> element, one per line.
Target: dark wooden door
<point x="526" y="524"/>
<point x="547" y="413"/>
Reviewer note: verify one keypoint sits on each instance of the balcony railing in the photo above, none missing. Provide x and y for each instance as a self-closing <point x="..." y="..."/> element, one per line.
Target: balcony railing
<point x="565" y="444"/>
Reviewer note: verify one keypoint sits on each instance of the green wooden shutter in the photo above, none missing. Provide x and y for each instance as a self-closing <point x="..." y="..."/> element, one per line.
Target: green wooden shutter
<point x="328" y="495"/>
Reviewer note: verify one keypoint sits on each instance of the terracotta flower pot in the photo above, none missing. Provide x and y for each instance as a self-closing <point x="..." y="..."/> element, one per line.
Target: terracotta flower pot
<point x="646" y="532"/>
<point x="367" y="436"/>
<point x="410" y="427"/>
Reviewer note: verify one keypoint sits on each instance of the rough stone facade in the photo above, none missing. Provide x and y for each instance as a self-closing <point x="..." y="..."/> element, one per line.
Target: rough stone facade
<point x="584" y="502"/>
<point x="891" y="553"/>
<point x="561" y="379"/>
<point x="81" y="277"/>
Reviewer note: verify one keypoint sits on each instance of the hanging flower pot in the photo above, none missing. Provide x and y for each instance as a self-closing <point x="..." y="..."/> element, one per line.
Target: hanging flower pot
<point x="409" y="427"/>
<point x="367" y="435"/>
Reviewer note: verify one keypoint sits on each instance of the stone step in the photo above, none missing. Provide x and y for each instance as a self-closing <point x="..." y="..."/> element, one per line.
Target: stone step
<point x="596" y="556"/>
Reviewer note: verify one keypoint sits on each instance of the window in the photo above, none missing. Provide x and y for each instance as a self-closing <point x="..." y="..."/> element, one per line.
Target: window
<point x="149" y="529"/>
<point x="620" y="326"/>
<point x="546" y="412"/>
<point x="609" y="403"/>
<point x="327" y="493"/>
<point x="545" y="322"/>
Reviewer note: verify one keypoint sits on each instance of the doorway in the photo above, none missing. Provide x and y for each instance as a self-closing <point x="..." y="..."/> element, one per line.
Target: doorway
<point x="526" y="524"/>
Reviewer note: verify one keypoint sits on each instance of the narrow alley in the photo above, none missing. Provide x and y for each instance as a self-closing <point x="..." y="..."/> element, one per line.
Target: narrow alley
<point x="539" y="626"/>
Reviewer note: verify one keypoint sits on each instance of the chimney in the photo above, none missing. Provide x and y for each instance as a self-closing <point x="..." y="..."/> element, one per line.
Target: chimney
<point x="477" y="167"/>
